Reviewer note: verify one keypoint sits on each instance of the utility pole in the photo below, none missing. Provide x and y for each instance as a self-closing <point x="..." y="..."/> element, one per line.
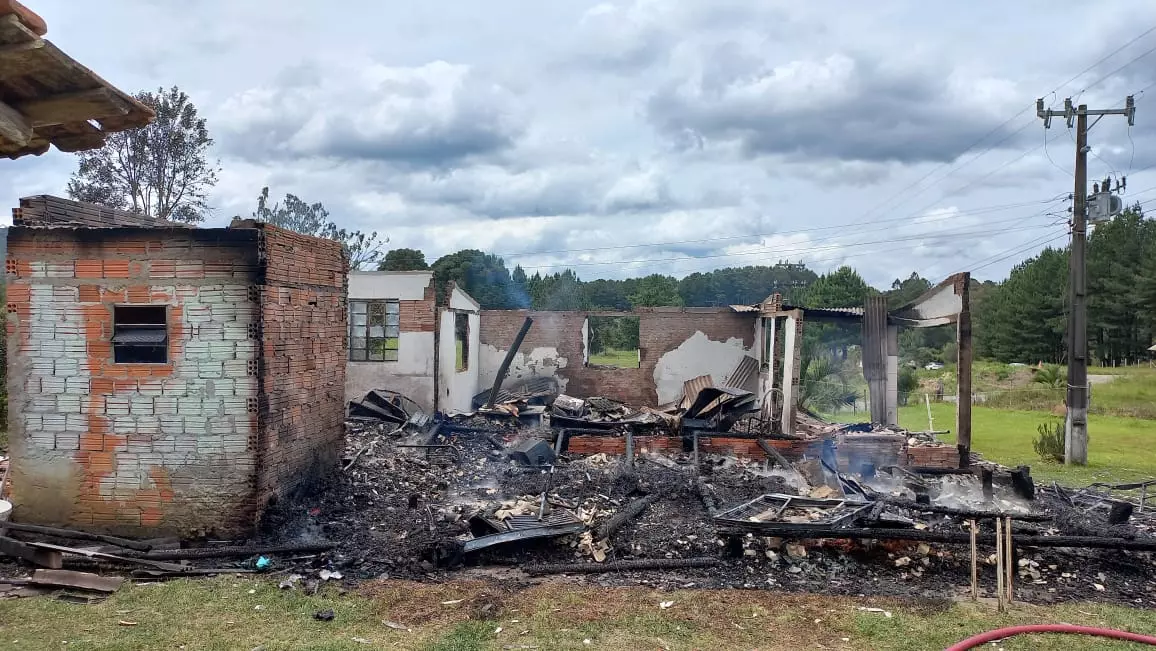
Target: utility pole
<point x="1076" y="422"/>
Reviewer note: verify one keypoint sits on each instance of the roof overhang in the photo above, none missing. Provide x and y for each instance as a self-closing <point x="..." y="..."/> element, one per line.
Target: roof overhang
<point x="49" y="99"/>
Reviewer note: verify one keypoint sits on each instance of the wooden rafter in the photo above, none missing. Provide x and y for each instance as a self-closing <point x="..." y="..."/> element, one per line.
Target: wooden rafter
<point x="47" y="98"/>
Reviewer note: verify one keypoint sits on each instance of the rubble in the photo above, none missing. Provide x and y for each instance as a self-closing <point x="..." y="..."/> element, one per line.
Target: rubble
<point x="834" y="513"/>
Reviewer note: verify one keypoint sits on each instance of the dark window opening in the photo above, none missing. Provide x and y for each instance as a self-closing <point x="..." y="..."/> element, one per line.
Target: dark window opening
<point x="613" y="341"/>
<point x="374" y="330"/>
<point x="140" y="334"/>
<point x="462" y="341"/>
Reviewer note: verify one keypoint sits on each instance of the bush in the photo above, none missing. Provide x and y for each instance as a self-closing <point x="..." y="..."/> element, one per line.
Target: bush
<point x="1050" y="442"/>
<point x="908" y="383"/>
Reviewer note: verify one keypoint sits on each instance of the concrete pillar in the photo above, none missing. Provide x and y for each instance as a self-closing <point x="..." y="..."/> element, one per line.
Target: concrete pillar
<point x="790" y="371"/>
<point x="892" y="375"/>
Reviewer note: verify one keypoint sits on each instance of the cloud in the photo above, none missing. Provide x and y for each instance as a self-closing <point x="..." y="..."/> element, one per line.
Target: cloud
<point x="435" y="115"/>
<point x="856" y="108"/>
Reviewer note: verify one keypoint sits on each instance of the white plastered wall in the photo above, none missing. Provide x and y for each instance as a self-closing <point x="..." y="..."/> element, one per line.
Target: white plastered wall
<point x="698" y="355"/>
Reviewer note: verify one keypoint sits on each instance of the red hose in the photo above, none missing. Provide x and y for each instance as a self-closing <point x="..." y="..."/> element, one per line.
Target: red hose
<point x="1010" y="631"/>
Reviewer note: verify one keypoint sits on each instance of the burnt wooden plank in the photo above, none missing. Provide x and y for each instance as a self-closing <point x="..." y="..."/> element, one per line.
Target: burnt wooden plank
<point x="80" y="580"/>
<point x="49" y="558"/>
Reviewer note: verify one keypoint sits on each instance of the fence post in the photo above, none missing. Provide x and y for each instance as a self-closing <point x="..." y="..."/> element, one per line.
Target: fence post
<point x="930" y="422"/>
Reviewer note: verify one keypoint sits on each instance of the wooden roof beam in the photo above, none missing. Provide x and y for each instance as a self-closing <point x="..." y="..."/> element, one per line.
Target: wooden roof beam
<point x="96" y="104"/>
<point x="13" y="126"/>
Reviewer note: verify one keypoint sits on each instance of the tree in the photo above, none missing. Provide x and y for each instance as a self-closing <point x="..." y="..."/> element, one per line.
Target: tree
<point x="655" y="290"/>
<point x="1023" y="319"/>
<point x="362" y="249"/>
<point x="1120" y="327"/>
<point x="481" y="275"/>
<point x="843" y="288"/>
<point x="403" y="260"/>
<point x="822" y="384"/>
<point x="159" y="170"/>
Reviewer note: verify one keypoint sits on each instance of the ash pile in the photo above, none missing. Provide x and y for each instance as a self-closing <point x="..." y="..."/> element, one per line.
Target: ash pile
<point x="547" y="485"/>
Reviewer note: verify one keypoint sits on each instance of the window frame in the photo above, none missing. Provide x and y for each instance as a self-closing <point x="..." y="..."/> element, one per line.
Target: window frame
<point x="122" y="349"/>
<point x="367" y="316"/>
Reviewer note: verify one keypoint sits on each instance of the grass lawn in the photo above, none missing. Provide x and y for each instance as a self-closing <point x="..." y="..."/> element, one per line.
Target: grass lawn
<point x="618" y="358"/>
<point x="1119" y="449"/>
<point x="246" y="613"/>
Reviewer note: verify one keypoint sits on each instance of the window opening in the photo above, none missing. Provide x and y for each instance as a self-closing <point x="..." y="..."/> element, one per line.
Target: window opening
<point x="462" y="341"/>
<point x="613" y="341"/>
<point x="140" y="334"/>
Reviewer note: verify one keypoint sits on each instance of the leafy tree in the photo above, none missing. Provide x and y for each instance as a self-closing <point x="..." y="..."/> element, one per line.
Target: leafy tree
<point x="904" y="291"/>
<point x="655" y="290"/>
<point x="842" y="288"/>
<point x="907" y="384"/>
<point x="403" y="260"/>
<point x="160" y="170"/>
<point x="313" y="219"/>
<point x="605" y="295"/>
<point x="481" y="275"/>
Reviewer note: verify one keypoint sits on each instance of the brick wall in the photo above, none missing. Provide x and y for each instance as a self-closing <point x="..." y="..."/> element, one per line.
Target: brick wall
<point x="660" y="331"/>
<point x="303" y="356"/>
<point x="933" y="456"/>
<point x="132" y="447"/>
<point x="419" y="316"/>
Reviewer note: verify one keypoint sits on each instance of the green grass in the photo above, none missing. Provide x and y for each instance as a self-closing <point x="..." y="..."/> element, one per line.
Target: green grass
<point x="1119" y="449"/>
<point x="466" y="616"/>
<point x="617" y="358"/>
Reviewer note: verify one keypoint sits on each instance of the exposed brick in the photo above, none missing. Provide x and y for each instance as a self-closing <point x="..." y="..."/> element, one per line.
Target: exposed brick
<point x="148" y="441"/>
<point x="660" y="330"/>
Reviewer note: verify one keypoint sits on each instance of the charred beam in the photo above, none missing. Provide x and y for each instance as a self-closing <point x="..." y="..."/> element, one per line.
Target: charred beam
<point x="622" y="566"/>
<point x="225" y="552"/>
<point x="633" y="510"/>
<point x="967" y="513"/>
<point x="961" y="538"/>
<point x="509" y="359"/>
<point x="77" y="535"/>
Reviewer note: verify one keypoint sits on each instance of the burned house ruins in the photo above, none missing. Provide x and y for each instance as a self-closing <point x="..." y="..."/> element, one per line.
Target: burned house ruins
<point x="239" y="383"/>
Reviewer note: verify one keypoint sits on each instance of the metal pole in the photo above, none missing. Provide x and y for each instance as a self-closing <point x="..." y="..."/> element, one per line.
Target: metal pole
<point x="1076" y="448"/>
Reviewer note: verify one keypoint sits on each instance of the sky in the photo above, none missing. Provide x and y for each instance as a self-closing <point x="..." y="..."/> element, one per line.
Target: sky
<point x="646" y="136"/>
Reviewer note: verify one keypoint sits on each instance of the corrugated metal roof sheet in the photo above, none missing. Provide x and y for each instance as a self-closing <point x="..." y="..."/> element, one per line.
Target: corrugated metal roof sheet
<point x="692" y="387"/>
<point x="745" y="308"/>
<point x="745" y="371"/>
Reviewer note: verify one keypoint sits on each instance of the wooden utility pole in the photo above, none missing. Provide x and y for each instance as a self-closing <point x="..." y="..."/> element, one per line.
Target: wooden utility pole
<point x="1076" y="425"/>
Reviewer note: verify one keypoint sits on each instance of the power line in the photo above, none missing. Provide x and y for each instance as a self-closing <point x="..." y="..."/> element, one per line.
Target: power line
<point x="1008" y="121"/>
<point x="975" y="211"/>
<point x="922" y="236"/>
<point x="1018" y="251"/>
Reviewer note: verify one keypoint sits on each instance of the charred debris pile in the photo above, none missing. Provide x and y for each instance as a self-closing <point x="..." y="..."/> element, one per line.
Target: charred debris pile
<point x="703" y="492"/>
<point x="537" y="485"/>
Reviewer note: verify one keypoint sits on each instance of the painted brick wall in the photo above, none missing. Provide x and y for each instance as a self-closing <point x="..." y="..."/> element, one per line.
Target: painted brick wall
<point x="132" y="448"/>
<point x="303" y="356"/>
<point x="660" y="331"/>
